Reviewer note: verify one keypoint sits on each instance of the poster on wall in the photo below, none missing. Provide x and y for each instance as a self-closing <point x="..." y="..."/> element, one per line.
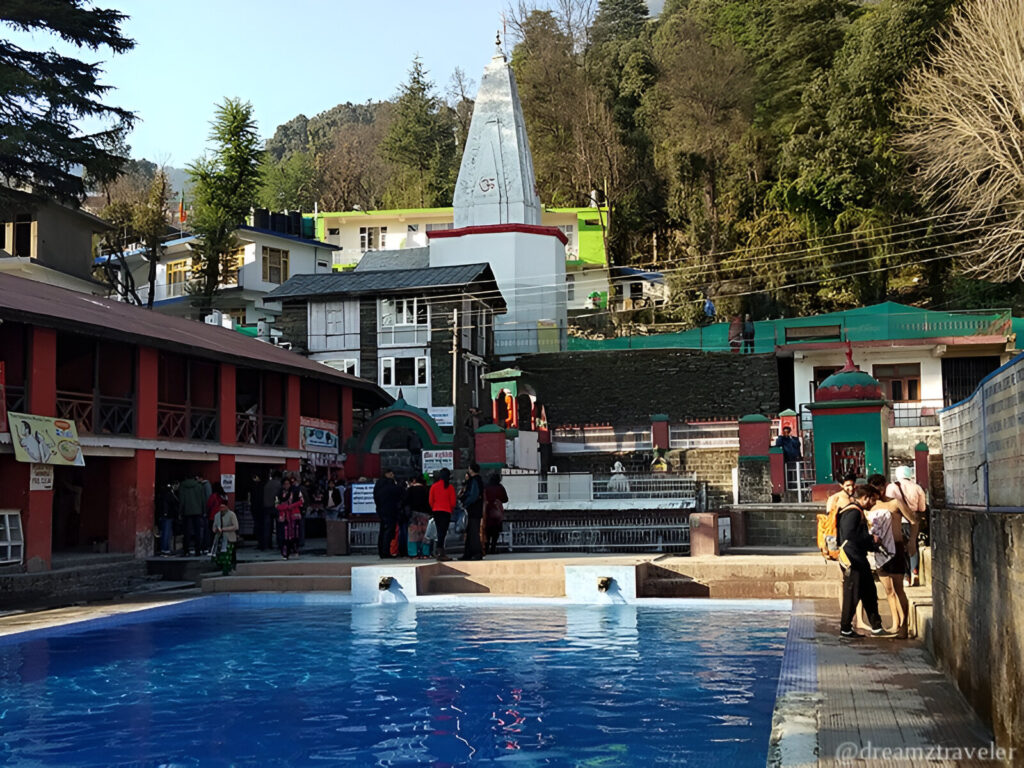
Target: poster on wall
<point x="362" y="499"/>
<point x="435" y="460"/>
<point x="45" y="440"/>
<point x="227" y="482"/>
<point x="41" y="477"/>
<point x="319" y="435"/>
<point x="444" y="416"/>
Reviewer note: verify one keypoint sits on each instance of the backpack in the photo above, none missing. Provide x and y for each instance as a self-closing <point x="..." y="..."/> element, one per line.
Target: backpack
<point x="828" y="533"/>
<point x="495" y="512"/>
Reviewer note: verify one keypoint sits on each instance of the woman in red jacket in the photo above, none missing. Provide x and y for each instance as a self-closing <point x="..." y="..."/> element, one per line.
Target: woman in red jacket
<point x="442" y="504"/>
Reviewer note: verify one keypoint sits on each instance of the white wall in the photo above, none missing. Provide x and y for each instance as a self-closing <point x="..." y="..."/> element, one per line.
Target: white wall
<point x="587" y="281"/>
<point x="530" y="272"/>
<point x="931" y="367"/>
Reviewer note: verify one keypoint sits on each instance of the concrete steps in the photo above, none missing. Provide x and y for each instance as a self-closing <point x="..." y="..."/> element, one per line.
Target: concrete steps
<point x="495" y="577"/>
<point x="295" y="567"/>
<point x="753" y="578"/>
<point x="278" y="583"/>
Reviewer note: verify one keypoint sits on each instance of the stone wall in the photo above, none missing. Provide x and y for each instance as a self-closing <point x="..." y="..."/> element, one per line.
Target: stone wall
<point x="776" y="525"/>
<point x="102" y="581"/>
<point x="978" y="624"/>
<point x="625" y="387"/>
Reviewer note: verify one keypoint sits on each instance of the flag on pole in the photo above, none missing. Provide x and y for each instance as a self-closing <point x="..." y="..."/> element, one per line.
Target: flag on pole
<point x="181" y="208"/>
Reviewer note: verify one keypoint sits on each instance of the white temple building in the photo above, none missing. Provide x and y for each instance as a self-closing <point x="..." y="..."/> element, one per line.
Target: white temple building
<point x="497" y="221"/>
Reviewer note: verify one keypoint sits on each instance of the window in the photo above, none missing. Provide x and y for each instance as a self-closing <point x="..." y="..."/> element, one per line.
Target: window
<point x="12" y="542"/>
<point x="237" y="316"/>
<point x="235" y="261"/>
<point x="413" y="228"/>
<point x="403" y="371"/>
<point x="570" y="287"/>
<point x="402" y="312"/>
<point x="372" y="238"/>
<point x="23" y="236"/>
<point x="348" y="365"/>
<point x="592" y="222"/>
<point x="335" y="318"/>
<point x="820" y="373"/>
<point x="901" y="382"/>
<point x="440" y="226"/>
<point x="275" y="265"/>
<point x="177" y="274"/>
<point x="333" y="231"/>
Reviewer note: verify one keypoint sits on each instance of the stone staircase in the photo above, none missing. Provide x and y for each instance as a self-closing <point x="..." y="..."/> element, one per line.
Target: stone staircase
<point x="309" y="575"/>
<point x="753" y="577"/>
<point x="534" y="578"/>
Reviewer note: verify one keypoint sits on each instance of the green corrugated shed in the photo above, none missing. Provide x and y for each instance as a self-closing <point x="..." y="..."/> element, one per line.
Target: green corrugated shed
<point x="879" y="322"/>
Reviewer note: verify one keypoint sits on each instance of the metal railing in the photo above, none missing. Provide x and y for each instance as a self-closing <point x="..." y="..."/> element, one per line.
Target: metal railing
<point x="601" y="439"/>
<point x="15" y="397"/>
<point x="712" y="434"/>
<point x="618" y="533"/>
<point x="800" y="478"/>
<point x="78" y="408"/>
<point x="924" y="413"/>
<point x="257" y="429"/>
<point x="183" y="422"/>
<point x="645" y="487"/>
<point x="114" y="416"/>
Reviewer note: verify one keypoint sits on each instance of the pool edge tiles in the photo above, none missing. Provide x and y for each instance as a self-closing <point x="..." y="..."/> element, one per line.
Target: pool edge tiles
<point x="794" y="732"/>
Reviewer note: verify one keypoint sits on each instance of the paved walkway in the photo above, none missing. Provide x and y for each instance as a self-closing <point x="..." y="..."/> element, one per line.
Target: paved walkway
<point x="870" y="702"/>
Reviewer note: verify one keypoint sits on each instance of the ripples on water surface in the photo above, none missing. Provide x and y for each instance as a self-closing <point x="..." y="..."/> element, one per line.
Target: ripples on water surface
<point x="397" y="685"/>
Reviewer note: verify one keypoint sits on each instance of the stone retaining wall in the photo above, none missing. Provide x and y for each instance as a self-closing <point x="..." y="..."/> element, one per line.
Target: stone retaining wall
<point x="778" y="526"/>
<point x="70" y="585"/>
<point x="978" y="625"/>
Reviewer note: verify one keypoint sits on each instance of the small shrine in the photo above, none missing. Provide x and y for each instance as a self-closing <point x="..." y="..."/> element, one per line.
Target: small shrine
<point x="850" y="419"/>
<point x="518" y="421"/>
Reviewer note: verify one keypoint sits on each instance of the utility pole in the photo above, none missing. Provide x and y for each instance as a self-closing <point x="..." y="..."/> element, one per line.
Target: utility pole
<point x="455" y="362"/>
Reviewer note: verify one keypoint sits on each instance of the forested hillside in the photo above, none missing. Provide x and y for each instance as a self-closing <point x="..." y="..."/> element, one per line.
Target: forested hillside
<point x="773" y="155"/>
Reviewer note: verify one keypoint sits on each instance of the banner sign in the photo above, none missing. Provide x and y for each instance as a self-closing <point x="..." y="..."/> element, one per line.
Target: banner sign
<point x="227" y="482"/>
<point x="435" y="460"/>
<point x="362" y="499"/>
<point x="444" y="416"/>
<point x="319" y="435"/>
<point x="45" y="440"/>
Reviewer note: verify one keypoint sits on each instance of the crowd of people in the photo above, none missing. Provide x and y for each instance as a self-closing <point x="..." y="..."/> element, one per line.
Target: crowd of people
<point x="415" y="520"/>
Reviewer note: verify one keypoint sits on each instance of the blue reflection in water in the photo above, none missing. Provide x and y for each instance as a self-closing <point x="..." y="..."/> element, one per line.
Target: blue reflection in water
<point x="231" y="683"/>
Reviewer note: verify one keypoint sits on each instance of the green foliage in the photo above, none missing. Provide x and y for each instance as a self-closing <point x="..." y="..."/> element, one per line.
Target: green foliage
<point x="290" y="183"/>
<point x="45" y="96"/>
<point x="225" y="187"/>
<point x="421" y="143"/>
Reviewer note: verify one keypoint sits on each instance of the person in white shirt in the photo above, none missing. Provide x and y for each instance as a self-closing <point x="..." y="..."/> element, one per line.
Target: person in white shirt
<point x="912" y="501"/>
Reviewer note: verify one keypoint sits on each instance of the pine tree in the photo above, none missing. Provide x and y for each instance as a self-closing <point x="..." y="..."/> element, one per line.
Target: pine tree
<point x="45" y="95"/>
<point x="421" y="140"/>
<point x="225" y="186"/>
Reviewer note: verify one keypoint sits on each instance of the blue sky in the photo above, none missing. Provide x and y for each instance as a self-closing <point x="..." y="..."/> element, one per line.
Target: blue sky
<point x="286" y="58"/>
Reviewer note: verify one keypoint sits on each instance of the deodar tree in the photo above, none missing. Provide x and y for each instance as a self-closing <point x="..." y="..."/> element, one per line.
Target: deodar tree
<point x="225" y="184"/>
<point x="963" y="121"/>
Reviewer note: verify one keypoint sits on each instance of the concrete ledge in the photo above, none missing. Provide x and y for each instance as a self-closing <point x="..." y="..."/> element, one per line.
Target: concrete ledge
<point x="278" y="583"/>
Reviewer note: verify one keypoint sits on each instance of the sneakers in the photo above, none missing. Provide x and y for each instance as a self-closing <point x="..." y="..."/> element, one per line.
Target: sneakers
<point x="881" y="632"/>
<point x="849" y="634"/>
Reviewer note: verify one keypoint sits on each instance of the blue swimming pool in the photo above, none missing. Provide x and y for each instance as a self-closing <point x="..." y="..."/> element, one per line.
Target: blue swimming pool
<point x="228" y="681"/>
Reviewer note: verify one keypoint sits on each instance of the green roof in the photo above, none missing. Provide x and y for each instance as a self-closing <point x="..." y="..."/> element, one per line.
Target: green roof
<point x="887" y="321"/>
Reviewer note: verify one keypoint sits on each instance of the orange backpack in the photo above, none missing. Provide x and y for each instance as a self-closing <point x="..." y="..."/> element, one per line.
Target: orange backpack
<point x="828" y="534"/>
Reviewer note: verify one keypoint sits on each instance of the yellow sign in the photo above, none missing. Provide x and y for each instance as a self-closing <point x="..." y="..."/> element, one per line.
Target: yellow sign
<point x="45" y="440"/>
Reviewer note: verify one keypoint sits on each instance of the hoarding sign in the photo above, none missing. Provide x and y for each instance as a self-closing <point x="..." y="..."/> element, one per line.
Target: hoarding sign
<point x="41" y="477"/>
<point x="435" y="460"/>
<point x="319" y="435"/>
<point x="362" y="499"/>
<point x="45" y="440"/>
<point x="444" y="416"/>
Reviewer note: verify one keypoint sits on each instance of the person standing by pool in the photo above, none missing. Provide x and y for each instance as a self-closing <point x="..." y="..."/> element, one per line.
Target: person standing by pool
<point x="289" y="514"/>
<point x="190" y="507"/>
<point x="417" y="506"/>
<point x="387" y="498"/>
<point x="225" y="536"/>
<point x="884" y="521"/>
<point x="442" y="504"/>
<point x="270" y="493"/>
<point x="913" y="503"/>
<point x="495" y="497"/>
<point x="214" y="502"/>
<point x="473" y="501"/>
<point x="854" y="543"/>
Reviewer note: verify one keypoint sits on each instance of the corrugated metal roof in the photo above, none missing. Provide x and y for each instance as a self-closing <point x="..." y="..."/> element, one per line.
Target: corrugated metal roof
<point x="36" y="303"/>
<point x="401" y="258"/>
<point x="383" y="281"/>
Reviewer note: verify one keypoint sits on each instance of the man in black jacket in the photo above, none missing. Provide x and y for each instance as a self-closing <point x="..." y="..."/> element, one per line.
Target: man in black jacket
<point x="473" y="501"/>
<point x="387" y="497"/>
<point x="858" y="583"/>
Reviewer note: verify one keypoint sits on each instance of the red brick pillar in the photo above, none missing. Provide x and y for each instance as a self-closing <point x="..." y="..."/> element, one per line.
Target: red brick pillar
<point x="41" y="389"/>
<point x="659" y="431"/>
<point x="755" y="435"/>
<point x="490" y="446"/>
<point x="227" y="405"/>
<point x="777" y="468"/>
<point x="921" y="467"/>
<point x="146" y="376"/>
<point x="704" y="534"/>
<point x="346" y="417"/>
<point x="130" y="517"/>
<point x="292" y="408"/>
<point x="292" y="465"/>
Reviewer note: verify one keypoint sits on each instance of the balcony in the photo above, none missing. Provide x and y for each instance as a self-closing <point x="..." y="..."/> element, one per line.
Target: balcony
<point x="97" y="414"/>
<point x="924" y="413"/>
<point x="257" y="429"/>
<point x="183" y="422"/>
<point x="15" y="397"/>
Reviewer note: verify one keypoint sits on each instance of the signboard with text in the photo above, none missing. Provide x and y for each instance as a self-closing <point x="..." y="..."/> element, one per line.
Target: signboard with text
<point x="41" y="477"/>
<point x="362" y="499"/>
<point x="319" y="435"/>
<point x="45" y="440"/>
<point x="435" y="460"/>
<point x="443" y="415"/>
<point x="227" y="482"/>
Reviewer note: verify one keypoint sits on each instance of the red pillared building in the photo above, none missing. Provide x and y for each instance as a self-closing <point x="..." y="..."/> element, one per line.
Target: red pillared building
<point x="154" y="398"/>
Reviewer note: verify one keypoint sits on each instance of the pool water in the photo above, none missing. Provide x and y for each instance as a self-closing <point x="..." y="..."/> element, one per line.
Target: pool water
<point x="231" y="682"/>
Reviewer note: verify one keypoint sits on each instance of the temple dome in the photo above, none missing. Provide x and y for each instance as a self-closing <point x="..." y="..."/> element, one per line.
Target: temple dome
<point x="849" y="383"/>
